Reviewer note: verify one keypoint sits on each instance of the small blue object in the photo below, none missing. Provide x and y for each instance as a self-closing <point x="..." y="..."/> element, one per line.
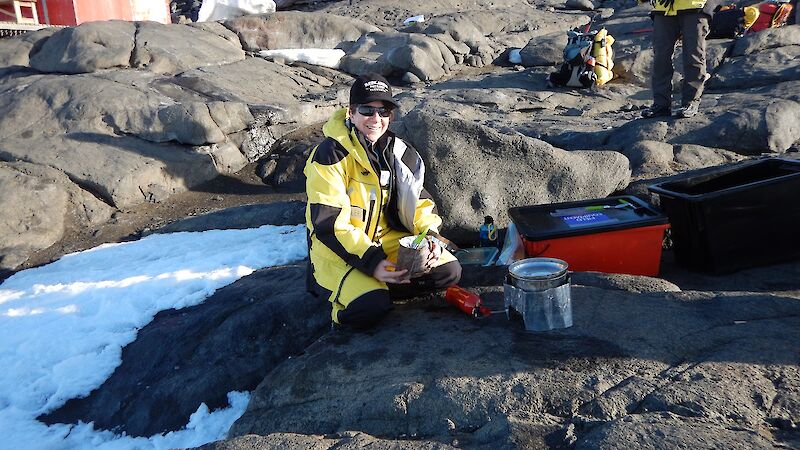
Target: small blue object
<point x="487" y="234"/>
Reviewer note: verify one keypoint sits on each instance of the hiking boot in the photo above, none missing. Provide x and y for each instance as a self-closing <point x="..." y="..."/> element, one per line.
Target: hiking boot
<point x="656" y="111"/>
<point x="689" y="110"/>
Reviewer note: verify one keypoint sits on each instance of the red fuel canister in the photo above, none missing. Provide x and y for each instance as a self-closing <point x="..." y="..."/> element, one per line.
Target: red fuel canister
<point x="466" y="301"/>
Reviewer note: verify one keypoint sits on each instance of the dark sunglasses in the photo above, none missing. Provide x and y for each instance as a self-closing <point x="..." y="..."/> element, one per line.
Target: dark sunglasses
<point x="368" y="111"/>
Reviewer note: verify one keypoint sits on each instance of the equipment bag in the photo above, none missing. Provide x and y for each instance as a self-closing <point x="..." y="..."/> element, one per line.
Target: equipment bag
<point x="730" y="21"/>
<point x="588" y="60"/>
<point x="603" y="56"/>
<point x="771" y="15"/>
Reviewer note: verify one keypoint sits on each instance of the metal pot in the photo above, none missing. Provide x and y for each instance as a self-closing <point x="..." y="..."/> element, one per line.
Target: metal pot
<point x="538" y="274"/>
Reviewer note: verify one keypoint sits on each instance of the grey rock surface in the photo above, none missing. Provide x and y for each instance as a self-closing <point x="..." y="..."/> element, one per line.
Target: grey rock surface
<point x="473" y="171"/>
<point x="95" y="129"/>
<point x="661" y="431"/>
<point x="630" y="283"/>
<point x="39" y="203"/>
<point x="242" y="217"/>
<point x="546" y="50"/>
<point x="399" y="53"/>
<point x="290" y="29"/>
<point x="86" y="48"/>
<point x="346" y="441"/>
<point x="581" y="5"/>
<point x="15" y="51"/>
<point x="761" y="68"/>
<point x="656" y="363"/>
<point x="175" y="48"/>
<point x="229" y="342"/>
<point x="767" y="39"/>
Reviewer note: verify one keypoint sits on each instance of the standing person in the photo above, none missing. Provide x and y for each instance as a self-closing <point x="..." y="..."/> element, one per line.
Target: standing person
<point x="673" y="19"/>
<point x="364" y="188"/>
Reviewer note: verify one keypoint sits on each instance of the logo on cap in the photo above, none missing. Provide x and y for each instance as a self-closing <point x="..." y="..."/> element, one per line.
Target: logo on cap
<point x="376" y="86"/>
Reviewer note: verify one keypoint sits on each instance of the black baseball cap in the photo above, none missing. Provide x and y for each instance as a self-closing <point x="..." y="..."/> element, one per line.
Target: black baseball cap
<point x="371" y="87"/>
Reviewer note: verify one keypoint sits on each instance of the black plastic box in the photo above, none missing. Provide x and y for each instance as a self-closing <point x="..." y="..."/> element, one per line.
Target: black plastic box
<point x="742" y="216"/>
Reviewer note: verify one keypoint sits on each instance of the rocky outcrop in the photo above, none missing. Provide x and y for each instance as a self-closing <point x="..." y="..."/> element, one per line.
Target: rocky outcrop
<point x="427" y="51"/>
<point x="133" y="136"/>
<point x="343" y="441"/>
<point x="761" y="59"/>
<point x="39" y="204"/>
<point x="175" y="48"/>
<point x="15" y="52"/>
<point x="415" y="57"/>
<point x="108" y="137"/>
<point x="290" y="29"/>
<point x="633" y="366"/>
<point x="546" y="50"/>
<point x="473" y="171"/>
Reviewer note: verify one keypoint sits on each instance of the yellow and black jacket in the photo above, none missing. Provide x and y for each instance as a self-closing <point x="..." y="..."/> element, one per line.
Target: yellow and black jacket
<point x="675" y="7"/>
<point x="356" y="212"/>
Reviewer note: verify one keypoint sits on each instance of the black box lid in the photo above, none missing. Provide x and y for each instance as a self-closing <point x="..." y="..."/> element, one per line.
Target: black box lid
<point x="555" y="220"/>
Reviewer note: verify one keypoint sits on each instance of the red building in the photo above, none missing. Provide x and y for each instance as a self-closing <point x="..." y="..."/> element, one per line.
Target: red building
<point x="75" y="12"/>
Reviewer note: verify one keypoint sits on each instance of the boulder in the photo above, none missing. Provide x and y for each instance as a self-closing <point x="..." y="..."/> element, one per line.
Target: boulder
<point x="488" y="33"/>
<point x="473" y="171"/>
<point x="282" y="98"/>
<point x="691" y="156"/>
<point x="141" y="172"/>
<point x="293" y="29"/>
<point x="745" y="124"/>
<point x="15" y="51"/>
<point x="580" y="5"/>
<point x="398" y="53"/>
<point x="88" y="47"/>
<point x="218" y="29"/>
<point x="767" y="39"/>
<point x="229" y="342"/>
<point x="176" y="48"/>
<point x="649" y="157"/>
<point x="762" y="68"/>
<point x="546" y="50"/>
<point x="33" y="217"/>
<point x="39" y="204"/>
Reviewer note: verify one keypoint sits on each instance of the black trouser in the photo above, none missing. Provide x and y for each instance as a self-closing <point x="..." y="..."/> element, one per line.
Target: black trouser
<point x="367" y="309"/>
<point x="693" y="27"/>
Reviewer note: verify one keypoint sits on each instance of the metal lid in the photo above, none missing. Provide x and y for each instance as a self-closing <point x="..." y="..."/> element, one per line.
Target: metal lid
<point x="538" y="268"/>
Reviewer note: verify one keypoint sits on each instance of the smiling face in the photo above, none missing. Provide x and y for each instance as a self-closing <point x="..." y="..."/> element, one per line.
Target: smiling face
<point x="372" y="126"/>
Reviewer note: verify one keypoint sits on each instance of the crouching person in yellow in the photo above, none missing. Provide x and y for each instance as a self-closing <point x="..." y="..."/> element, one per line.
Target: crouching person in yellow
<point x="365" y="192"/>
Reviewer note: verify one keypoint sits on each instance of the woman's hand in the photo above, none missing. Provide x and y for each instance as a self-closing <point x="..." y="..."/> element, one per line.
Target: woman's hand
<point x="387" y="272"/>
<point x="434" y="253"/>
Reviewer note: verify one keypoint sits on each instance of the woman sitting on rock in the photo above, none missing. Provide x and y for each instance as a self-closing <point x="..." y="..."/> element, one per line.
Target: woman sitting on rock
<point x="365" y="193"/>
